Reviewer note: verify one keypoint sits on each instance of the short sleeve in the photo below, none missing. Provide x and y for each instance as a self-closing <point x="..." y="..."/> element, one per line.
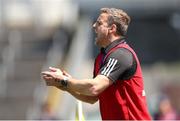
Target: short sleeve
<point x="116" y="64"/>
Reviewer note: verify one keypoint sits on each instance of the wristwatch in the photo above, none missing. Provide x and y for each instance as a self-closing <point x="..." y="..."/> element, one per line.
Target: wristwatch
<point x="64" y="82"/>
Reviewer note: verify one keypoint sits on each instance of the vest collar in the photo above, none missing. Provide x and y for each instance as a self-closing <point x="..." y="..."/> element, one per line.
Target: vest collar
<point x="112" y="45"/>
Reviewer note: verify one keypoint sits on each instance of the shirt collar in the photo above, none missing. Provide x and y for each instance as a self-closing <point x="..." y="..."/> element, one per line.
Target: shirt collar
<point x="112" y="45"/>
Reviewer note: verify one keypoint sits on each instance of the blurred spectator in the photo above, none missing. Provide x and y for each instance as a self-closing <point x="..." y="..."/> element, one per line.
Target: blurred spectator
<point x="165" y="110"/>
<point x="47" y="113"/>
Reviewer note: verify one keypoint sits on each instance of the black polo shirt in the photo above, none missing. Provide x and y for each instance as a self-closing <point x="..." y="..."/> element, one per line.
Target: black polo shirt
<point x="120" y="64"/>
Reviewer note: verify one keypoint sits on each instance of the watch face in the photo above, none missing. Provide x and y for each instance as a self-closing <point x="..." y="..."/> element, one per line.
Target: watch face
<point x="64" y="83"/>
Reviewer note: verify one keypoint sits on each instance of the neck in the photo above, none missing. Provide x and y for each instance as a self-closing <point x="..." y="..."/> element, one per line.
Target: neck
<point x="115" y="38"/>
<point x="112" y="39"/>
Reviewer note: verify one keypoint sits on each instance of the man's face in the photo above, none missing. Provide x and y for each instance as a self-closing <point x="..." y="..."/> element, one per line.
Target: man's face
<point x="101" y="29"/>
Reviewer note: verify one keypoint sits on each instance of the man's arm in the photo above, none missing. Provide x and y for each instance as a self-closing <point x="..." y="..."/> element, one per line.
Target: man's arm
<point x="84" y="98"/>
<point x="89" y="87"/>
<point x="117" y="66"/>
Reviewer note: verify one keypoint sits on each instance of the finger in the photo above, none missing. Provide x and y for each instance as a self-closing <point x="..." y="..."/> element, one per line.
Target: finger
<point x="48" y="78"/>
<point x="46" y="73"/>
<point x="49" y="82"/>
<point x="66" y="74"/>
<point x="53" y="69"/>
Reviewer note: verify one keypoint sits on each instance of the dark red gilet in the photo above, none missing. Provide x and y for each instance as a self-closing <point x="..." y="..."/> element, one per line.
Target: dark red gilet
<point x="125" y="99"/>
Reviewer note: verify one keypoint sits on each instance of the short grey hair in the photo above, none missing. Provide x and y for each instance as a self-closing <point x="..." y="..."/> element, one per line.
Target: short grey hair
<point x="119" y="18"/>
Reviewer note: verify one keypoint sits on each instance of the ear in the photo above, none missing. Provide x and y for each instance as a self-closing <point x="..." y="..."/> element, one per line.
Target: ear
<point x="113" y="28"/>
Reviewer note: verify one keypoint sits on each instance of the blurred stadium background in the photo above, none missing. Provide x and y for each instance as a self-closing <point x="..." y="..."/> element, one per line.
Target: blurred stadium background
<point x="36" y="34"/>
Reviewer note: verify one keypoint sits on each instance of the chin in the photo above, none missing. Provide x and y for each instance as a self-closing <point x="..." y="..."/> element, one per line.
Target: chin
<point x="98" y="43"/>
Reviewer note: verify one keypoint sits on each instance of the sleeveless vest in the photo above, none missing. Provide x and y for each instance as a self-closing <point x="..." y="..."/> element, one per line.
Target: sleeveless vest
<point x="124" y="99"/>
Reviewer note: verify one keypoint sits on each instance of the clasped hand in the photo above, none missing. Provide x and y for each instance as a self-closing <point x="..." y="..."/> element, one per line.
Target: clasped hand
<point x="53" y="76"/>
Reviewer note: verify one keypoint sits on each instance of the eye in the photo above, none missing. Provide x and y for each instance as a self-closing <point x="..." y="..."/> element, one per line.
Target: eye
<point x="98" y="23"/>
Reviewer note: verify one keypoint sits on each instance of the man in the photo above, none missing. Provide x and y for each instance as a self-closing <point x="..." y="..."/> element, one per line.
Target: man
<point x="118" y="81"/>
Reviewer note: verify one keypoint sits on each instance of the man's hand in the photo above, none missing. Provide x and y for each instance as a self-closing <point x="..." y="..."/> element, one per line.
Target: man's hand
<point x="52" y="76"/>
<point x="66" y="74"/>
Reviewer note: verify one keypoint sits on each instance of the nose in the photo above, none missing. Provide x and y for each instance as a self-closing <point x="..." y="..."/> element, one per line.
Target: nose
<point x="94" y="25"/>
